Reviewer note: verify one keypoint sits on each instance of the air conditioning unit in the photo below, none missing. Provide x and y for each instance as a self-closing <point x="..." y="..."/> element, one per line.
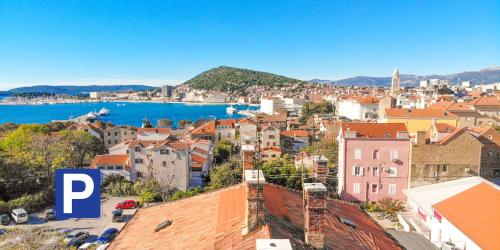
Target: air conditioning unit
<point x="467" y="170"/>
<point x="394" y="159"/>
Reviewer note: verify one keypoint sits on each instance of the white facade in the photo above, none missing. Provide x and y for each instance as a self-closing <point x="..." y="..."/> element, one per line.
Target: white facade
<point x="354" y="110"/>
<point x="270" y="106"/>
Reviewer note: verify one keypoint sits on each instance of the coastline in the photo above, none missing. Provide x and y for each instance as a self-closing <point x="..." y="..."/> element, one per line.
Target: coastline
<point x="126" y="101"/>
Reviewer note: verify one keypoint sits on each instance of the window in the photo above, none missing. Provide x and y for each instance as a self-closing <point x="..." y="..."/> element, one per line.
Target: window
<point x="496" y="171"/>
<point x="125" y="133"/>
<point x="375" y="171"/>
<point x="178" y="155"/>
<point x="356" y="188"/>
<point x="393" y="171"/>
<point x="394" y="155"/>
<point x="374" y="188"/>
<point x="116" y="141"/>
<point x="139" y="160"/>
<point x="109" y="133"/>
<point x="375" y="154"/>
<point x="102" y="167"/>
<point x="357" y="170"/>
<point x="140" y="174"/>
<point x="392" y="189"/>
<point x="164" y="151"/>
<point x="116" y="133"/>
<point x="490" y="153"/>
<point x="110" y="167"/>
<point x="164" y="163"/>
<point x="109" y="141"/>
<point x="357" y="154"/>
<point x="445" y="168"/>
<point x="118" y="167"/>
<point x="137" y="149"/>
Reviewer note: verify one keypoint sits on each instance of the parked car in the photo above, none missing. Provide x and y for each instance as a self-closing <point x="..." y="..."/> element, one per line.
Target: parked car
<point x="127" y="204"/>
<point x="107" y="236"/>
<point x="76" y="238"/>
<point x="19" y="215"/>
<point x="4" y="219"/>
<point x="50" y="214"/>
<point x="102" y="247"/>
<point x="117" y="215"/>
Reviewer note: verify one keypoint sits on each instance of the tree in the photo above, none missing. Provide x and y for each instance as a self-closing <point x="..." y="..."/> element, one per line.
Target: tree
<point x="164" y="123"/>
<point x="49" y="152"/>
<point x="15" y="144"/>
<point x="227" y="174"/>
<point x="281" y="171"/>
<point x="184" y="123"/>
<point x="390" y="206"/>
<point x="222" y="151"/>
<point x="84" y="147"/>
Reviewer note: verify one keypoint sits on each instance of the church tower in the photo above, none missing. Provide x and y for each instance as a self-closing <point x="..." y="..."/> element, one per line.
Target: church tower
<point x="395" y="82"/>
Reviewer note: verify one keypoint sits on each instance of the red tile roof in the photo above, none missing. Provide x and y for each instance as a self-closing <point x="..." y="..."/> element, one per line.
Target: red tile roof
<point x="418" y="113"/>
<point x="154" y="130"/>
<point x="485" y="101"/>
<point x="475" y="213"/>
<point x="226" y="122"/>
<point x="205" y="129"/>
<point x="110" y="160"/>
<point x="375" y="130"/>
<point x="295" y="133"/>
<point x="444" y="128"/>
<point x="199" y="159"/>
<point x="272" y="148"/>
<point x="287" y="206"/>
<point x="207" y="221"/>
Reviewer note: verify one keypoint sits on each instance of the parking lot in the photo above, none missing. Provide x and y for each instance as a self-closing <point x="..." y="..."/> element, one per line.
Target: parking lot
<point x="93" y="226"/>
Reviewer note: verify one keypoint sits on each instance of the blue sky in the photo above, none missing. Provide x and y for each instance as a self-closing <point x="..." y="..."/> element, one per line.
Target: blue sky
<point x="155" y="42"/>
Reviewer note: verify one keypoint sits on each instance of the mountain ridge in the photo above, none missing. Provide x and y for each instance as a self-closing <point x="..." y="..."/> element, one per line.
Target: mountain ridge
<point x="486" y="75"/>
<point x="76" y="90"/>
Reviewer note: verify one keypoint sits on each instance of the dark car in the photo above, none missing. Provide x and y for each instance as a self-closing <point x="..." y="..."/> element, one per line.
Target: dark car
<point x="117" y="215"/>
<point x="4" y="219"/>
<point x="76" y="238"/>
<point x="50" y="214"/>
<point x="107" y="236"/>
<point x="127" y="204"/>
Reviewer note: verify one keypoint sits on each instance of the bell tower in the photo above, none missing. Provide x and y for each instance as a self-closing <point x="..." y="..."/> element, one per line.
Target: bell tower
<point x="395" y="82"/>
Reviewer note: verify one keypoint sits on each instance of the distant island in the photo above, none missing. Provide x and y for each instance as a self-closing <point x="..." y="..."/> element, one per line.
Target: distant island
<point x="226" y="78"/>
<point x="75" y="90"/>
<point x="484" y="76"/>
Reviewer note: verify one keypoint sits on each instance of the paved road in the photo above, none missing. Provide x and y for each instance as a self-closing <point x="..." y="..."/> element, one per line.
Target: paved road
<point x="94" y="226"/>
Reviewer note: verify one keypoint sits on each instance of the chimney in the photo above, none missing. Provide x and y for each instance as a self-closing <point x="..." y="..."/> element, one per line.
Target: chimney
<point x="254" y="215"/>
<point x="421" y="137"/>
<point x="314" y="214"/>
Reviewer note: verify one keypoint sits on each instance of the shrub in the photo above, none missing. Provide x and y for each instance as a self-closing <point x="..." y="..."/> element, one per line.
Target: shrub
<point x="390" y="206"/>
<point x="372" y="207"/>
<point x="30" y="202"/>
<point x="120" y="189"/>
<point x="184" y="194"/>
<point x="148" y="196"/>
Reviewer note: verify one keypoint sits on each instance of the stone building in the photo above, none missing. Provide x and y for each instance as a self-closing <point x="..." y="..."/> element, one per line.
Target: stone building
<point x="455" y="156"/>
<point x="118" y="134"/>
<point x="490" y="153"/>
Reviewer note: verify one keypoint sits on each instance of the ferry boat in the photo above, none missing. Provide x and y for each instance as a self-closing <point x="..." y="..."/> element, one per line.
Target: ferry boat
<point x="104" y="112"/>
<point x="230" y="110"/>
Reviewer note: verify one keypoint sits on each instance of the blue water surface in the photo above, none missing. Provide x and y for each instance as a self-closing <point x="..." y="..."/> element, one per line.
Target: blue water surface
<point x="122" y="113"/>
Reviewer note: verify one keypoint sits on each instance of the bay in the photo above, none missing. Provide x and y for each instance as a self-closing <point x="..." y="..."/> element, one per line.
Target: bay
<point x="121" y="113"/>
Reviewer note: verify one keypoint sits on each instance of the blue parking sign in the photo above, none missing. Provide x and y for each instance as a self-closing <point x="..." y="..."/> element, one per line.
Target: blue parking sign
<point x="78" y="193"/>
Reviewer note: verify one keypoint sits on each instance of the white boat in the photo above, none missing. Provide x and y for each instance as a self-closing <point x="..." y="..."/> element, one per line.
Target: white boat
<point x="230" y="110"/>
<point x="91" y="115"/>
<point x="104" y="112"/>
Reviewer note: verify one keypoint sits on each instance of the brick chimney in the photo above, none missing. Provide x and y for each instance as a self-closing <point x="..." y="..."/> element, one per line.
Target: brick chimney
<point x="247" y="155"/>
<point x="254" y="215"/>
<point x="314" y="214"/>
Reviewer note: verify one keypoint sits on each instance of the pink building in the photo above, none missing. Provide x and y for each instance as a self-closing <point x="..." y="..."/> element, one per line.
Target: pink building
<point x="373" y="161"/>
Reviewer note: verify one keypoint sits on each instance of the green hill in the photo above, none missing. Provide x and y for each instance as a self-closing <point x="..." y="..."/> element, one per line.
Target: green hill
<point x="225" y="78"/>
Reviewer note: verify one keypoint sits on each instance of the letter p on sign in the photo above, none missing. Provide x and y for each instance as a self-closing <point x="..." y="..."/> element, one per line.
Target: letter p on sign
<point x="78" y="193"/>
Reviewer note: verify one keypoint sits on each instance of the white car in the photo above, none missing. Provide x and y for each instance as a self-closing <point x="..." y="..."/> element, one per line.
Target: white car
<point x="103" y="246"/>
<point x="88" y="245"/>
<point x="19" y="215"/>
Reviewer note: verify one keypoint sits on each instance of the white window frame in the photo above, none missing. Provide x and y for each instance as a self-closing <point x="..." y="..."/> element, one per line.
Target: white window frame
<point x="360" y="172"/>
<point x="371" y="188"/>
<point x="356" y="188"/>
<point x="394" y="154"/>
<point x="358" y="154"/>
<point x="376" y="171"/>
<point x="392" y="189"/>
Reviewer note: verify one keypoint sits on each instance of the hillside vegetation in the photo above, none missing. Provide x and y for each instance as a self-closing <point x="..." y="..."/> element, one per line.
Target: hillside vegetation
<point x="235" y="79"/>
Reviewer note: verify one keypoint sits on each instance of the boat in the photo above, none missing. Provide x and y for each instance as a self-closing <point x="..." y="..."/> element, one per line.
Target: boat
<point x="92" y="116"/>
<point x="104" y="112"/>
<point x="230" y="110"/>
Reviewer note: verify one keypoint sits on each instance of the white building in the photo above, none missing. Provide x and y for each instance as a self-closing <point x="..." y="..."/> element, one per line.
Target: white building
<point x="456" y="213"/>
<point x="271" y="106"/>
<point x="361" y="108"/>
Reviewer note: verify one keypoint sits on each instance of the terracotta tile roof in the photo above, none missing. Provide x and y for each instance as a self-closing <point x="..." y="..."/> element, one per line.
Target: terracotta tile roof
<point x="295" y="133"/>
<point x="418" y="113"/>
<point x="272" y="148"/>
<point x="272" y="118"/>
<point x="199" y="159"/>
<point x="158" y="143"/>
<point x="154" y="130"/>
<point x="205" y="129"/>
<point x="226" y="122"/>
<point x="475" y="213"/>
<point x="207" y="221"/>
<point x="286" y="207"/>
<point x="246" y="120"/>
<point x="444" y="128"/>
<point x="451" y="135"/>
<point x="109" y="160"/>
<point x="486" y="132"/>
<point x="200" y="150"/>
<point x="485" y="101"/>
<point x="375" y="130"/>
